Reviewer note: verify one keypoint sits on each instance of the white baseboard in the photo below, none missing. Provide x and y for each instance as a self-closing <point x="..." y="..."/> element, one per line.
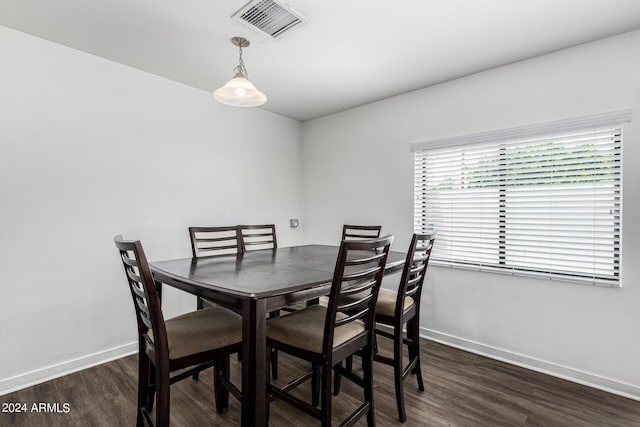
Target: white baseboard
<point x="27" y="379"/>
<point x="565" y="372"/>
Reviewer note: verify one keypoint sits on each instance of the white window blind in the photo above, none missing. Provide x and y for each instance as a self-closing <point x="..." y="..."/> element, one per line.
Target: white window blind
<point x="542" y="201"/>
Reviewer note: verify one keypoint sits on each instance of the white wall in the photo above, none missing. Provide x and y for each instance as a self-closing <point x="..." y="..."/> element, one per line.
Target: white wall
<point x="90" y="149"/>
<point x="358" y="169"/>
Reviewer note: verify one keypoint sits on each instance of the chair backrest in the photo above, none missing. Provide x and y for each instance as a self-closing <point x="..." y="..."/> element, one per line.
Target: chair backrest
<point x="254" y="237"/>
<point x="415" y="270"/>
<point x="355" y="232"/>
<point x="218" y="240"/>
<point x="358" y="273"/>
<point x="143" y="291"/>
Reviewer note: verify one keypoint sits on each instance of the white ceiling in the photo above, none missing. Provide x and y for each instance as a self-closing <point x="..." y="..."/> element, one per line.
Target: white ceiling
<point x="351" y="52"/>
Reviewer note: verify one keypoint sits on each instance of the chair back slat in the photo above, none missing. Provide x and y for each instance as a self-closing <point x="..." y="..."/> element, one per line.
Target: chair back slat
<point x="359" y="297"/>
<point x="133" y="276"/>
<point x="362" y="259"/>
<point x="414" y="280"/>
<point x="420" y="259"/>
<point x="233" y="248"/>
<point x="143" y="293"/>
<point x="216" y="239"/>
<point x="411" y="291"/>
<point x="139" y="292"/>
<point x="357" y="232"/>
<point x="357" y="288"/>
<point x="417" y="267"/>
<point x="354" y="304"/>
<point x="359" y="270"/>
<point x="130" y="262"/>
<point x="144" y="314"/>
<point x="221" y="240"/>
<point x="352" y="317"/>
<point x="253" y="237"/>
<point x="414" y="271"/>
<point x="269" y="236"/>
<point x="349" y="277"/>
<point x="142" y="306"/>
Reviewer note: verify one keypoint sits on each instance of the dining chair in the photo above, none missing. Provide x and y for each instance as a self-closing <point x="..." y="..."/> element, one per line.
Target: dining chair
<point x="324" y="336"/>
<point x="214" y="241"/>
<point x="182" y="345"/>
<point x="353" y="232"/>
<point x="397" y="309"/>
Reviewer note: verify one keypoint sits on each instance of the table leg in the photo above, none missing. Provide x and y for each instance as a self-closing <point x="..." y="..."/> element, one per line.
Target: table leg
<point x="254" y="372"/>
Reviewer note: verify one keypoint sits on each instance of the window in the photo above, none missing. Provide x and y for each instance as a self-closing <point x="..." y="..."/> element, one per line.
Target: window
<point x="542" y="200"/>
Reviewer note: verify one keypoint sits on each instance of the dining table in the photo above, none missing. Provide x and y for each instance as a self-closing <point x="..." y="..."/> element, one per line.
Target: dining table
<point x="253" y="284"/>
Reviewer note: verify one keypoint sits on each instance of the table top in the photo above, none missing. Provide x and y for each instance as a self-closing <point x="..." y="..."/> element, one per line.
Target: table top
<point x="261" y="273"/>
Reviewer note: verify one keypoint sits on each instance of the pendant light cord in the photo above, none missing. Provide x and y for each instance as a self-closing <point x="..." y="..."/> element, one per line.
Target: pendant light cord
<point x="240" y="69"/>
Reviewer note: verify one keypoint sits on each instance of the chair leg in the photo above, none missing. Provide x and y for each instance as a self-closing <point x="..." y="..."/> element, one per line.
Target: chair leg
<point x="349" y="363"/>
<point x="221" y="370"/>
<point x="274" y="352"/>
<point x="143" y="386"/>
<point x="151" y="396"/>
<point x="227" y="376"/>
<point x="325" y="396"/>
<point x="397" y="372"/>
<point x="413" y="331"/>
<point x="337" y="381"/>
<point x="374" y="346"/>
<point x="367" y="368"/>
<point x="162" y="396"/>
<point x="199" y="306"/>
<point x="274" y="364"/>
<point x="217" y="373"/>
<point x="316" y="381"/>
<point x="268" y="408"/>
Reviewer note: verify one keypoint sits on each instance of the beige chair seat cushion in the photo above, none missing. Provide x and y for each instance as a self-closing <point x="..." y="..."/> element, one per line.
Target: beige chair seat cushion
<point x="386" y="304"/>
<point x="305" y="329"/>
<point x="202" y="330"/>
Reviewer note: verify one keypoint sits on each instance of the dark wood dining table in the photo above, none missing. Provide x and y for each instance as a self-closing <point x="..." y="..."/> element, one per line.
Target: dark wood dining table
<point x="253" y="284"/>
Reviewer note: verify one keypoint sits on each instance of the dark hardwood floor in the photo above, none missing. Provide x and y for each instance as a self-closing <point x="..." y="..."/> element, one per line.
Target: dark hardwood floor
<point x="461" y="389"/>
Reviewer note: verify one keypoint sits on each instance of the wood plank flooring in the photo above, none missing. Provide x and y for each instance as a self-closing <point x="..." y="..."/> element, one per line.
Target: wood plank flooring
<point x="461" y="389"/>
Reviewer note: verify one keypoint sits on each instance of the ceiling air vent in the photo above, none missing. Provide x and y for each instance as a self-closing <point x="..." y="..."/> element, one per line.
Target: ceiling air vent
<point x="272" y="18"/>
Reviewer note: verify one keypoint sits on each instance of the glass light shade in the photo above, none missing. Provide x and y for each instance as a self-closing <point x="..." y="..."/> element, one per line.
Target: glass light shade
<point x="240" y="92"/>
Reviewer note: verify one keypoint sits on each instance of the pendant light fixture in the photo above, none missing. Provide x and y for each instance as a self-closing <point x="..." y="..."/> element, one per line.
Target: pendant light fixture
<point x="239" y="91"/>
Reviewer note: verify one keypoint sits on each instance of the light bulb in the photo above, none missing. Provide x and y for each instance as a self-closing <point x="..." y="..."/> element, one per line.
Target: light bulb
<point x="240" y="92"/>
